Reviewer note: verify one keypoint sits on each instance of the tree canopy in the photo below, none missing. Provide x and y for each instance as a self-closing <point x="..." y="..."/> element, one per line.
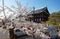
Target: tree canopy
<point x="54" y="19"/>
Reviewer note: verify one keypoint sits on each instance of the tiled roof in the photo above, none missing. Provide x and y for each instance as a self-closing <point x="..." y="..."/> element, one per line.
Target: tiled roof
<point x="39" y="11"/>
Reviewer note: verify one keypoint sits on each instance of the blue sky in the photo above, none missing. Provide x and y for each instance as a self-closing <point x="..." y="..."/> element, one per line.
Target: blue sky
<point x="52" y="5"/>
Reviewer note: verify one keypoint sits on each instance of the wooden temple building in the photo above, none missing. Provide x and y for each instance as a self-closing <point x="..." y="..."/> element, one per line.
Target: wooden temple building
<point x="38" y="15"/>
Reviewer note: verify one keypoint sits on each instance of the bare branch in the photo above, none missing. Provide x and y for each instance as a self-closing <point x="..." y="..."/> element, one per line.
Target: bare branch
<point x="10" y="9"/>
